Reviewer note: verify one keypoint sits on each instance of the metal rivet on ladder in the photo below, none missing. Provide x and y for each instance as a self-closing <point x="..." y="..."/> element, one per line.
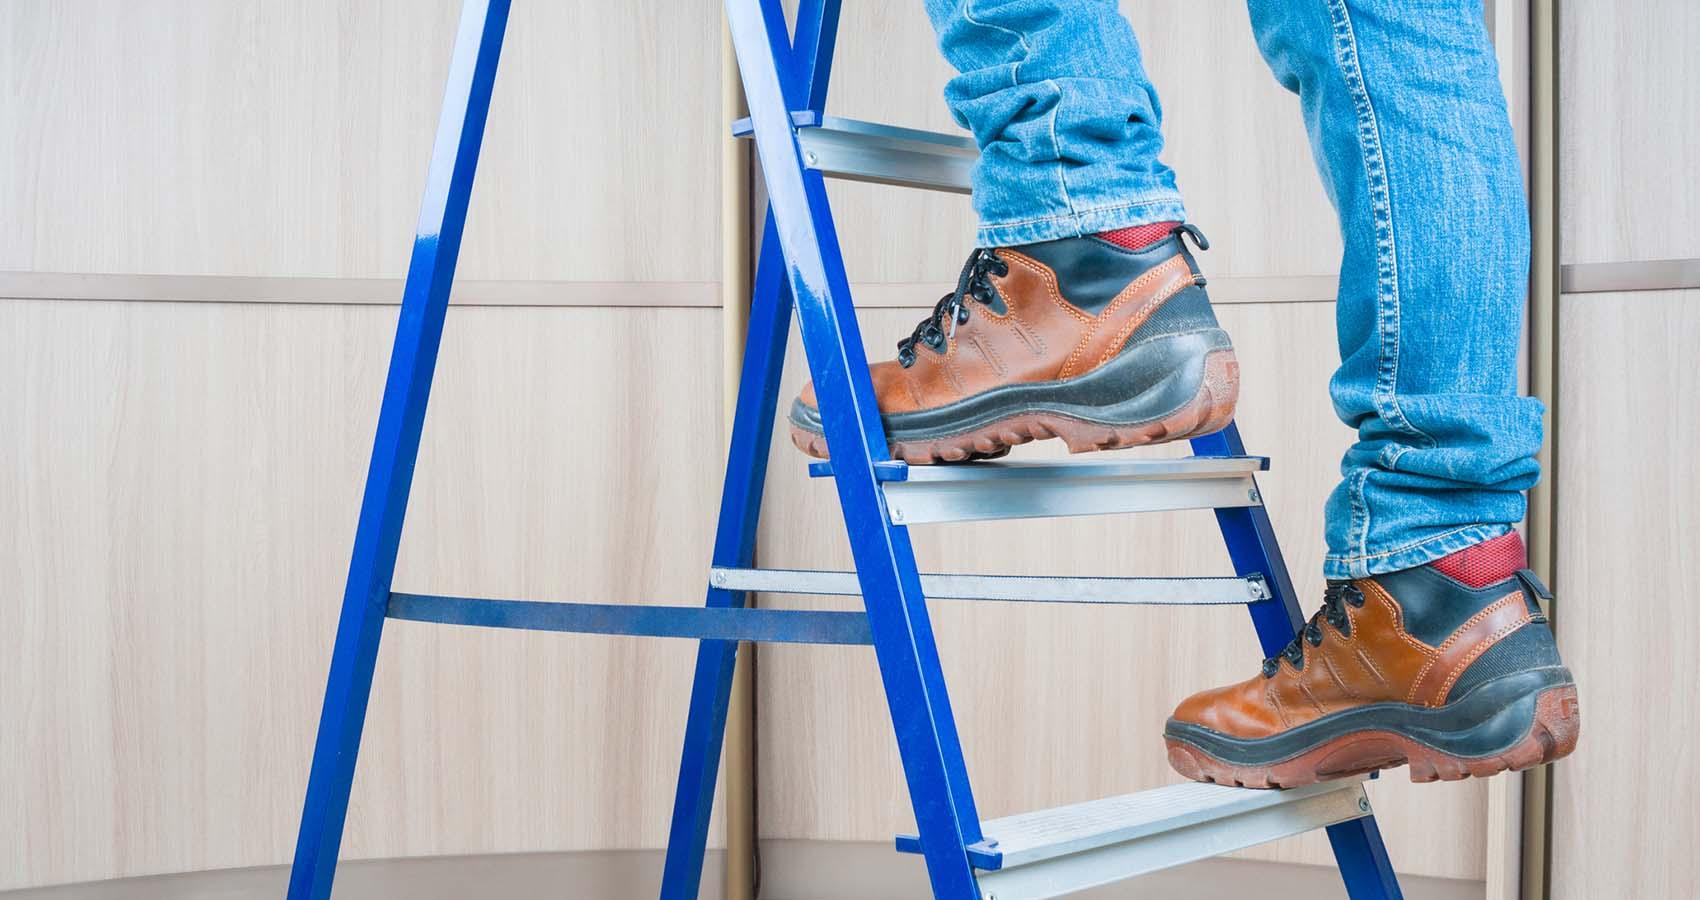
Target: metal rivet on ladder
<point x="1363" y="804"/>
<point x="810" y="158"/>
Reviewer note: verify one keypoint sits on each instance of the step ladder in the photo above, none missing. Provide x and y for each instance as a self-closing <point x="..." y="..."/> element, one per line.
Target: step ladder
<point x="1033" y="855"/>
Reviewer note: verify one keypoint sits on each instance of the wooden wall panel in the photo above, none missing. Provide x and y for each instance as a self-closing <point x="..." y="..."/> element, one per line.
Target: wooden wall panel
<point x="203" y="137"/>
<point x="1629" y="123"/>
<point x="1058" y="704"/>
<point x="1234" y="136"/>
<point x="178" y="489"/>
<point x="1626" y="812"/>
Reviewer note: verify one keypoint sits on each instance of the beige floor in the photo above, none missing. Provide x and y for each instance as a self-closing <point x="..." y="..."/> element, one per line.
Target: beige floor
<point x="791" y="870"/>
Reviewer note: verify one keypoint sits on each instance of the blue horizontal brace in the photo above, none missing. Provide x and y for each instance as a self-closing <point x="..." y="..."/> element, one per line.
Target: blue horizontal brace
<point x="800" y="118"/>
<point x="884" y="470"/>
<point x="791" y="626"/>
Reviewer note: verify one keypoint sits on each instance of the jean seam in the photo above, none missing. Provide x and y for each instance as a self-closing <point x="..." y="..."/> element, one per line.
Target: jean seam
<point x="1015" y="81"/>
<point x="1056" y="148"/>
<point x="1381" y="205"/>
<point x="1419" y="552"/>
<point x="1026" y="50"/>
<point x="1078" y="213"/>
<point x="1410" y="546"/>
<point x="1360" y="514"/>
<point x="1385" y="396"/>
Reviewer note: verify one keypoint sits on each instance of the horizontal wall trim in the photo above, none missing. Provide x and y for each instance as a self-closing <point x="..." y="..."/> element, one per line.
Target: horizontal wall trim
<point x="1580" y="278"/>
<point x="1636" y="275"/>
<point x="387" y="291"/>
<point x="350" y="291"/>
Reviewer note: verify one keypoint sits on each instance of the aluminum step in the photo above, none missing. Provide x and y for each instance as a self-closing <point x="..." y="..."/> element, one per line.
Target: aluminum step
<point x="883" y="154"/>
<point x="1053" y="852"/>
<point x="1023" y="588"/>
<point x="918" y="495"/>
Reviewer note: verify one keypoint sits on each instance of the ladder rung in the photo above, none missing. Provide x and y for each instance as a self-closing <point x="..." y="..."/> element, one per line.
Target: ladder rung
<point x="1055" y="851"/>
<point x="1032" y="588"/>
<point x="917" y="495"/>
<point x="702" y="622"/>
<point x="884" y="154"/>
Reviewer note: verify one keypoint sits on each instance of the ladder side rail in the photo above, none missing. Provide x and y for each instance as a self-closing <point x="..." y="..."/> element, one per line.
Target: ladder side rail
<point x="807" y="63"/>
<point x="395" y="449"/>
<point x="1253" y="549"/>
<point x="734" y="544"/>
<point x="810" y="63"/>
<point x="1358" y="847"/>
<point x="903" y="640"/>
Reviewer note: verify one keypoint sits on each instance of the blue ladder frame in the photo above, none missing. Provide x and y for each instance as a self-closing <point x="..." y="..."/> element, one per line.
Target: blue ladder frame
<point x="800" y="267"/>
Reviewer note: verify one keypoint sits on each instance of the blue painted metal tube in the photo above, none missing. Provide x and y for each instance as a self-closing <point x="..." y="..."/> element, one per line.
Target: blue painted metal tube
<point x="430" y="272"/>
<point x="903" y="641"/>
<point x="1250" y="537"/>
<point x="734" y="545"/>
<point x="1362" y="858"/>
<point x="721" y="624"/>
<point x="740" y="503"/>
<point x="810" y="61"/>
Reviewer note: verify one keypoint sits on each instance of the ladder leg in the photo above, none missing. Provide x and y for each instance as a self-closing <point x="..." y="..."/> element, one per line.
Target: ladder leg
<point x="808" y="65"/>
<point x="430" y="272"/>
<point x="734" y="545"/>
<point x="1358" y="849"/>
<point x="1363" y="862"/>
<point x="903" y="641"/>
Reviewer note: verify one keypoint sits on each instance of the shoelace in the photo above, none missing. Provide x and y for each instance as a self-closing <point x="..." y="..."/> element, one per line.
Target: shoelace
<point x="983" y="262"/>
<point x="1334" y="601"/>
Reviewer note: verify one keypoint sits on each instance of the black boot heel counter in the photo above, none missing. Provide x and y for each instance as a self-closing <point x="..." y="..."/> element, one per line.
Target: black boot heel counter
<point x="1529" y="647"/>
<point x="1187" y="312"/>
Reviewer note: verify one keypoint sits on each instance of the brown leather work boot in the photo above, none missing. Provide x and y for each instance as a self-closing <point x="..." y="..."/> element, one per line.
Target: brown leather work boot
<point x="1449" y="667"/>
<point x="1083" y="338"/>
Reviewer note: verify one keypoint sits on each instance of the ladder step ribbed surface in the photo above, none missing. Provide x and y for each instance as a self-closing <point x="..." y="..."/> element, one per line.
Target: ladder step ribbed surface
<point x="1019" y="588"/>
<point x="917" y="495"/>
<point x="1069" y="848"/>
<point x="883" y="154"/>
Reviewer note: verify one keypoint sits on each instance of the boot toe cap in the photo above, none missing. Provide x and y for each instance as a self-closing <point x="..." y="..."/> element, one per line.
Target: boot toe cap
<point x="1238" y="710"/>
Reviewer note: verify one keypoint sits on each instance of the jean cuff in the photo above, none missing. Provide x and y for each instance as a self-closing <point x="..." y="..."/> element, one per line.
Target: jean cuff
<point x="1083" y="222"/>
<point x="1409" y="556"/>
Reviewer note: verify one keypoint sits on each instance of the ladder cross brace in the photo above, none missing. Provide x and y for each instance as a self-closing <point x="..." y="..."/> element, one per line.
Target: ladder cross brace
<point x="712" y="623"/>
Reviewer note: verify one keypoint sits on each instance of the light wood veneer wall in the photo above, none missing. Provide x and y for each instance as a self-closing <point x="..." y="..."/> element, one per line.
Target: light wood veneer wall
<point x="179" y="481"/>
<point x="1625" y="810"/>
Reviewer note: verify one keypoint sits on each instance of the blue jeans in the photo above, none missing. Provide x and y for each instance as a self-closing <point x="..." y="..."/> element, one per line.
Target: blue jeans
<point x="1409" y="129"/>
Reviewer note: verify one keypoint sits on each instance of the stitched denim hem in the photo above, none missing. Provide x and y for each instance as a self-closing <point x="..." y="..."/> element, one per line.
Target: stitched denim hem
<point x="1409" y="556"/>
<point x="1082" y="222"/>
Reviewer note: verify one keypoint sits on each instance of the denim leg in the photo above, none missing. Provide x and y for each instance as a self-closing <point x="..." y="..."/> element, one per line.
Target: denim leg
<point x="1068" y="124"/>
<point x="1409" y="129"/>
